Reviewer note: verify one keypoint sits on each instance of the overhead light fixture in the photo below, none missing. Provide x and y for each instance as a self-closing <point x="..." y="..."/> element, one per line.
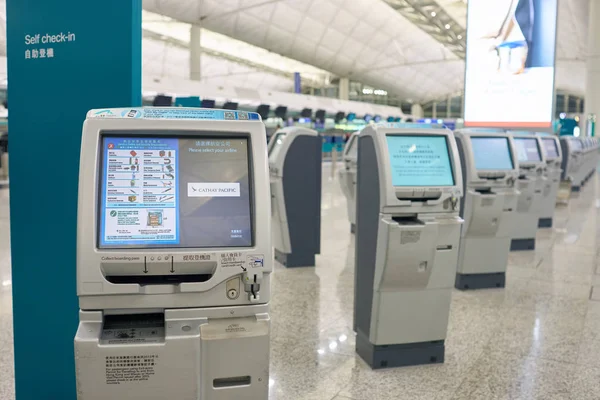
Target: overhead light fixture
<point x="459" y="37"/>
<point x="433" y="13"/>
<point x="447" y="26"/>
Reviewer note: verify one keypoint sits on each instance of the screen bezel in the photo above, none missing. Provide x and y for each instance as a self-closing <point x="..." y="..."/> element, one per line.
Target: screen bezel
<point x="171" y="134"/>
<point x="274" y="141"/>
<point x="351" y="145"/>
<point x="537" y="144"/>
<point x="510" y="153"/>
<point x="412" y="134"/>
<point x="545" y="140"/>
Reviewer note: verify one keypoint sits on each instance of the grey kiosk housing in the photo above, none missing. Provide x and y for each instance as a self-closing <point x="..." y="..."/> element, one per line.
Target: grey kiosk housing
<point x="553" y="155"/>
<point x="489" y="170"/>
<point x="407" y="238"/>
<point x="295" y="167"/>
<point x="532" y="179"/>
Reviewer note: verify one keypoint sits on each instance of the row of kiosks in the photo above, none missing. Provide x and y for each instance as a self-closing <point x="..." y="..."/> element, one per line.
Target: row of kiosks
<point x="347" y="178"/>
<point x="579" y="161"/>
<point x="295" y="178"/>
<point x="590" y="158"/>
<point x="173" y="255"/>
<point x="409" y="185"/>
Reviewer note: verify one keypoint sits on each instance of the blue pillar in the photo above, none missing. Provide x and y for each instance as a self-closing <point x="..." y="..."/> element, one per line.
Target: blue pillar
<point x="64" y="58"/>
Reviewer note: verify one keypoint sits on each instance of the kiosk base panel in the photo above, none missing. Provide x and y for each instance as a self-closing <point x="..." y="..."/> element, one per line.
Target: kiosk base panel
<point x="293" y="260"/>
<point x="480" y="281"/>
<point x="522" y="244"/>
<point x="399" y="355"/>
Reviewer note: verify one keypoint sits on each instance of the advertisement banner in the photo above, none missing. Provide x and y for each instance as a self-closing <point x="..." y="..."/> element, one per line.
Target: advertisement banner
<point x="509" y="78"/>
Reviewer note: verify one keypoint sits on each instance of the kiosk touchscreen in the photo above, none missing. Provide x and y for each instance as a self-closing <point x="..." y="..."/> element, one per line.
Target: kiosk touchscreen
<point x="553" y="155"/>
<point x="532" y="169"/>
<point x="173" y="255"/>
<point x="347" y="177"/>
<point x="407" y="237"/>
<point x="572" y="161"/>
<point x="490" y="170"/>
<point x="295" y="163"/>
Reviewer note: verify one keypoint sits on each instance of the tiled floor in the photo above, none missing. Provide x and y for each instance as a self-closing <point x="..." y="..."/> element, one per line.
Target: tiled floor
<point x="539" y="338"/>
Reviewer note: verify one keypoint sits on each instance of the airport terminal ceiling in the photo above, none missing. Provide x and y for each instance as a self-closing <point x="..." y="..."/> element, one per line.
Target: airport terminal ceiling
<point x="369" y="41"/>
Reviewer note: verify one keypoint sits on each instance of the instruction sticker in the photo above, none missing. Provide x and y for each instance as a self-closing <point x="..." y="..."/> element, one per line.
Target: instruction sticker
<point x="234" y="259"/>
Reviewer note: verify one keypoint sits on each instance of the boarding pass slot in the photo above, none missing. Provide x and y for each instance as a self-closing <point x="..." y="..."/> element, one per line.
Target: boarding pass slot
<point x="445" y="247"/>
<point x="232" y="382"/>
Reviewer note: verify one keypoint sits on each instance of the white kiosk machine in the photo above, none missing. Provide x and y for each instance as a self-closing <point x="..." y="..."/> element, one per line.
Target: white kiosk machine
<point x="553" y="156"/>
<point x="295" y="162"/>
<point x="532" y="168"/>
<point x="407" y="237"/>
<point x="173" y="256"/>
<point x="347" y="177"/>
<point x="490" y="171"/>
<point x="572" y="160"/>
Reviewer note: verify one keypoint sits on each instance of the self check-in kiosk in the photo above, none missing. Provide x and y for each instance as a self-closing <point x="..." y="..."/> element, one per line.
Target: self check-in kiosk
<point x="572" y="161"/>
<point x="532" y="167"/>
<point x="173" y="255"/>
<point x="490" y="170"/>
<point x="553" y="155"/>
<point x="407" y="236"/>
<point x="295" y="164"/>
<point x="347" y="177"/>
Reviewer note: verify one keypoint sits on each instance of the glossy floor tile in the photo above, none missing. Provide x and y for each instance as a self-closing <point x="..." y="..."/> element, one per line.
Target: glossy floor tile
<point x="539" y="338"/>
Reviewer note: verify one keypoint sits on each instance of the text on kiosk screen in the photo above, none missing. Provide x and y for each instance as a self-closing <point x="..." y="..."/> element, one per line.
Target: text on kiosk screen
<point x="491" y="153"/>
<point x="175" y="192"/>
<point x="551" y="149"/>
<point x="527" y="149"/>
<point x="419" y="161"/>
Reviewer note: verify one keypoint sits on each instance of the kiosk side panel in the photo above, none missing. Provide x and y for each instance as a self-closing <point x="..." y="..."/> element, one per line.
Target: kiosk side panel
<point x="302" y="194"/>
<point x="367" y="220"/>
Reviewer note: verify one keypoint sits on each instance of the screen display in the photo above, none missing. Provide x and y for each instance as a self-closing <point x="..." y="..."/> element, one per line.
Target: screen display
<point x="527" y="149"/>
<point x="274" y="149"/>
<point x="510" y="66"/>
<point x="420" y="161"/>
<point x="491" y="153"/>
<point x="551" y="148"/>
<point x="175" y="192"/>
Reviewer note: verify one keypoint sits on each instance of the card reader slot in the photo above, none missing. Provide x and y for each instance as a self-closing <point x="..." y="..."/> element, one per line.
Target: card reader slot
<point x="445" y="247"/>
<point x="232" y="381"/>
<point x="158" y="279"/>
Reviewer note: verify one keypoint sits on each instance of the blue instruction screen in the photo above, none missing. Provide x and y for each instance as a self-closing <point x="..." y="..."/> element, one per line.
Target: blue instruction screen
<point x="419" y="161"/>
<point x="527" y="149"/>
<point x="174" y="192"/>
<point x="491" y="153"/>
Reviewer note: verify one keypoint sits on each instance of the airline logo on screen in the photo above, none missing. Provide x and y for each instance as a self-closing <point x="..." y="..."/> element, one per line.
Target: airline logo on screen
<point x="213" y="189"/>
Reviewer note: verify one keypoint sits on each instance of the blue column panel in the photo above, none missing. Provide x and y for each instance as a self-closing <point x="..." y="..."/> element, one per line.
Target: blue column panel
<point x="64" y="58"/>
